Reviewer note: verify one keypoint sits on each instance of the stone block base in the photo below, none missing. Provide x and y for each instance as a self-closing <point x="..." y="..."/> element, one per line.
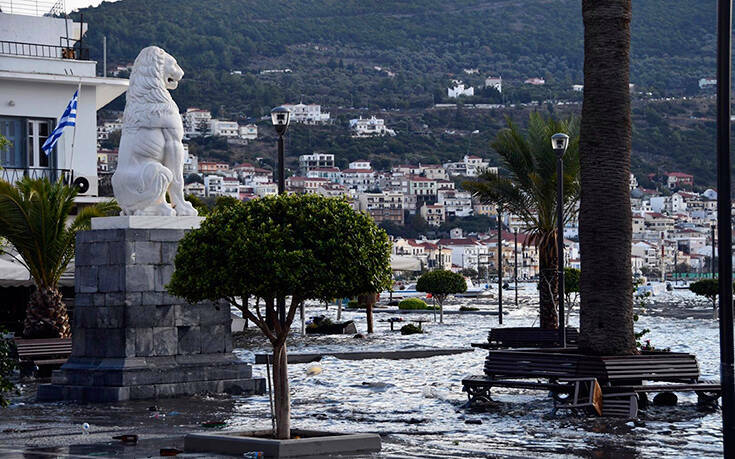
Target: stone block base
<point x="309" y="444"/>
<point x="111" y="380"/>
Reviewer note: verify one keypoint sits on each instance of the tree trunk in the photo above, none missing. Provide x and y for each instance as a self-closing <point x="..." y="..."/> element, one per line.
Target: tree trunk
<point x="46" y="315"/>
<point x="368" y="300"/>
<point x="282" y="398"/>
<point x="605" y="230"/>
<point x="548" y="285"/>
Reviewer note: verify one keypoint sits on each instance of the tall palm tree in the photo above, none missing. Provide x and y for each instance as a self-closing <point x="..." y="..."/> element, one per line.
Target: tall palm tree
<point x="529" y="191"/>
<point x="605" y="231"/>
<point x="33" y="218"/>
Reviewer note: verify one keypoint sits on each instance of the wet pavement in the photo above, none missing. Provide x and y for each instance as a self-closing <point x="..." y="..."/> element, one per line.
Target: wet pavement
<point x="414" y="404"/>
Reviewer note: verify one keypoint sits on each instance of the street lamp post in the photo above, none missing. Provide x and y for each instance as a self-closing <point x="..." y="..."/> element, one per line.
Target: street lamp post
<point x="724" y="223"/>
<point x="515" y="264"/>
<point x="500" y="269"/>
<point x="281" y="116"/>
<point x="560" y="142"/>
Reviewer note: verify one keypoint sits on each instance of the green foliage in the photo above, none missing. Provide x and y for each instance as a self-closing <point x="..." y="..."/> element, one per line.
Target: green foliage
<point x="354" y="304"/>
<point x="7" y="366"/>
<point x="33" y="218"/>
<point x="708" y="288"/>
<point x="571" y="280"/>
<point x="305" y="246"/>
<point x="413" y="303"/>
<point x="411" y="329"/>
<point x="441" y="283"/>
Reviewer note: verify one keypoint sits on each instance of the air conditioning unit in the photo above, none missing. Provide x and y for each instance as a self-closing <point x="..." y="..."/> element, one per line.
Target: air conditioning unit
<point x="86" y="185"/>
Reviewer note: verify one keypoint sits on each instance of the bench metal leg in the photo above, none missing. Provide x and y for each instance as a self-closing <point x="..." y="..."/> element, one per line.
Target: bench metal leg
<point x="477" y="395"/>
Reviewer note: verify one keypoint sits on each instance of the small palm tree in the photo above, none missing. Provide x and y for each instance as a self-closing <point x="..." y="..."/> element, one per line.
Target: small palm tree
<point x="529" y="191"/>
<point x="33" y="218"/>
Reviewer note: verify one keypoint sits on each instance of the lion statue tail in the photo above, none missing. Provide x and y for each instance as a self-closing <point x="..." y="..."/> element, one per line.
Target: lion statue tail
<point x="139" y="189"/>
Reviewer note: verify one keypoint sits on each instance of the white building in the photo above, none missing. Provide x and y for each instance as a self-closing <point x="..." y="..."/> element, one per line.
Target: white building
<point x="369" y="127"/>
<point x="359" y="179"/>
<point x="459" y="90"/>
<point x="535" y="81"/>
<point x="108" y="127"/>
<point x="494" y="82"/>
<point x="213" y="185"/>
<point x="220" y="128"/>
<point x="307" y="113"/>
<point x="456" y="203"/>
<point x="34" y="92"/>
<point x="470" y="166"/>
<point x="315" y="161"/>
<point x="707" y="82"/>
<point x="191" y="162"/>
<point x="360" y="164"/>
<point x="195" y="189"/>
<point x="248" y="131"/>
<point x="196" y="122"/>
<point x="332" y="174"/>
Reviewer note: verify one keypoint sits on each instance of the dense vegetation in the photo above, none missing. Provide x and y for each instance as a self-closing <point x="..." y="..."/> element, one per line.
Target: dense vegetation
<point x="333" y="47"/>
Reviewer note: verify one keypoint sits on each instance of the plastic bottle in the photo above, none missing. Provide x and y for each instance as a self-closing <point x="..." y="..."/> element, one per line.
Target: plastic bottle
<point x="254" y="455"/>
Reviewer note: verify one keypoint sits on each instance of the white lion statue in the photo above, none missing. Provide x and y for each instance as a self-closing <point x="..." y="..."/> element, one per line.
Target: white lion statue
<point x="151" y="156"/>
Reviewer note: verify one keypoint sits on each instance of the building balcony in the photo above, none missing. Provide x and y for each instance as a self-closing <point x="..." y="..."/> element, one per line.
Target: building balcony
<point x="13" y="174"/>
<point x="71" y="50"/>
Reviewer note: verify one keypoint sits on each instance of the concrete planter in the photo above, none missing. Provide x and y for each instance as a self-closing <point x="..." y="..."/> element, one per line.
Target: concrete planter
<point x="310" y="443"/>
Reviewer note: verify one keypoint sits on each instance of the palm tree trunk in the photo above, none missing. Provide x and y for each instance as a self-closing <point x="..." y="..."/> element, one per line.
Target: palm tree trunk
<point x="549" y="318"/>
<point x="281" y="395"/>
<point x="605" y="232"/>
<point x="46" y="315"/>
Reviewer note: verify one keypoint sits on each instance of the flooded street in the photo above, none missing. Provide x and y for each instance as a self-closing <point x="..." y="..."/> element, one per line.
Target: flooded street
<point x="415" y="404"/>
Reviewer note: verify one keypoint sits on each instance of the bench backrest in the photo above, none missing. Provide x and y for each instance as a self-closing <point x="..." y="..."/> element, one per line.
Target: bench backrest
<point x="658" y="366"/>
<point x="529" y="337"/>
<point x="29" y="348"/>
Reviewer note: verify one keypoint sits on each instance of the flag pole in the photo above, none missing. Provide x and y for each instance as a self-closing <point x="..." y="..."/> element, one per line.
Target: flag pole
<point x="74" y="134"/>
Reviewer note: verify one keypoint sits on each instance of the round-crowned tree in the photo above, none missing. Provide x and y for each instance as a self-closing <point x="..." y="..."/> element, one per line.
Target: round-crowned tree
<point x="708" y="288"/>
<point x="298" y="246"/>
<point x="441" y="283"/>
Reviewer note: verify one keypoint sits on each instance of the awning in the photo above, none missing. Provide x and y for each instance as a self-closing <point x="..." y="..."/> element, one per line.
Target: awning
<point x="14" y="274"/>
<point x="404" y="263"/>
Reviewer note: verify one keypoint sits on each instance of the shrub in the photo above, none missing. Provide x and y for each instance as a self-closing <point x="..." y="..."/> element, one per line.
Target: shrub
<point x="440" y="284"/>
<point x="7" y="365"/>
<point x="413" y="303"/>
<point x="354" y="304"/>
<point x="410" y="329"/>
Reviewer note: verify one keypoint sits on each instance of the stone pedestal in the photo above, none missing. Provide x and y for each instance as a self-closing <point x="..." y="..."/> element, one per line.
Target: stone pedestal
<point x="130" y="338"/>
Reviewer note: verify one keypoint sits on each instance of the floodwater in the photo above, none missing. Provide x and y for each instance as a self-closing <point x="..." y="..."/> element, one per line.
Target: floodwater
<point x="416" y="405"/>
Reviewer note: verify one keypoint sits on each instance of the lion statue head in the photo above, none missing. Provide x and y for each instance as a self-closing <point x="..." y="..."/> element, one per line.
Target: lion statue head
<point x="148" y="102"/>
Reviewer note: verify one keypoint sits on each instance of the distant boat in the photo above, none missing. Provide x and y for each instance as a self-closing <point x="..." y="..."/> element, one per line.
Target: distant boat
<point x="654" y="288"/>
<point x="474" y="291"/>
<point x="409" y="291"/>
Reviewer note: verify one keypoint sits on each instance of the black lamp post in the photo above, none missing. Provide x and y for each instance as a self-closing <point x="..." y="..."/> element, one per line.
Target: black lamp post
<point x="281" y="117"/>
<point x="724" y="223"/>
<point x="500" y="268"/>
<point x="560" y="142"/>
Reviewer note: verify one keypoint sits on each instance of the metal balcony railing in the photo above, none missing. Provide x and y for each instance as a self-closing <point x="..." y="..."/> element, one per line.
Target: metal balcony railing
<point x="18" y="48"/>
<point x="13" y="174"/>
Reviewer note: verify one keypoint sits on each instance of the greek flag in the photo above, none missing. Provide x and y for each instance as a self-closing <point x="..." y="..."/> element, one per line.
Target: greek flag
<point x="69" y="118"/>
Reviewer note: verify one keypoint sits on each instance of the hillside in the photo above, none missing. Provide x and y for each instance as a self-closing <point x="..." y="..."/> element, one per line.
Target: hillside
<point x="340" y="52"/>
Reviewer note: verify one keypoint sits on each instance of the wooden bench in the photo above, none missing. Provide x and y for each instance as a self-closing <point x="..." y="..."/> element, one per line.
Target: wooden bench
<point x="617" y="375"/>
<point x="38" y="356"/>
<point x="572" y="393"/>
<point x="526" y="337"/>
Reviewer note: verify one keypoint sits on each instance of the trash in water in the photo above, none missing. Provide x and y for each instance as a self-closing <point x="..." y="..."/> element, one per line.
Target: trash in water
<point x="313" y="370"/>
<point x="85" y="428"/>
<point x="128" y="439"/>
<point x="214" y="424"/>
<point x="253" y="454"/>
<point x="153" y="408"/>
<point x="174" y="413"/>
<point x="169" y="452"/>
<point x="473" y="421"/>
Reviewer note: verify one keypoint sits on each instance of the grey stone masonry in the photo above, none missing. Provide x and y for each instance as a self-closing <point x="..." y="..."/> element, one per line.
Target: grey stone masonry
<point x="130" y="338"/>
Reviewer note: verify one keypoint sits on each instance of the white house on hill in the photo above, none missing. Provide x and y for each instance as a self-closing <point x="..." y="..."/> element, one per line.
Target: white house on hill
<point x="37" y="81"/>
